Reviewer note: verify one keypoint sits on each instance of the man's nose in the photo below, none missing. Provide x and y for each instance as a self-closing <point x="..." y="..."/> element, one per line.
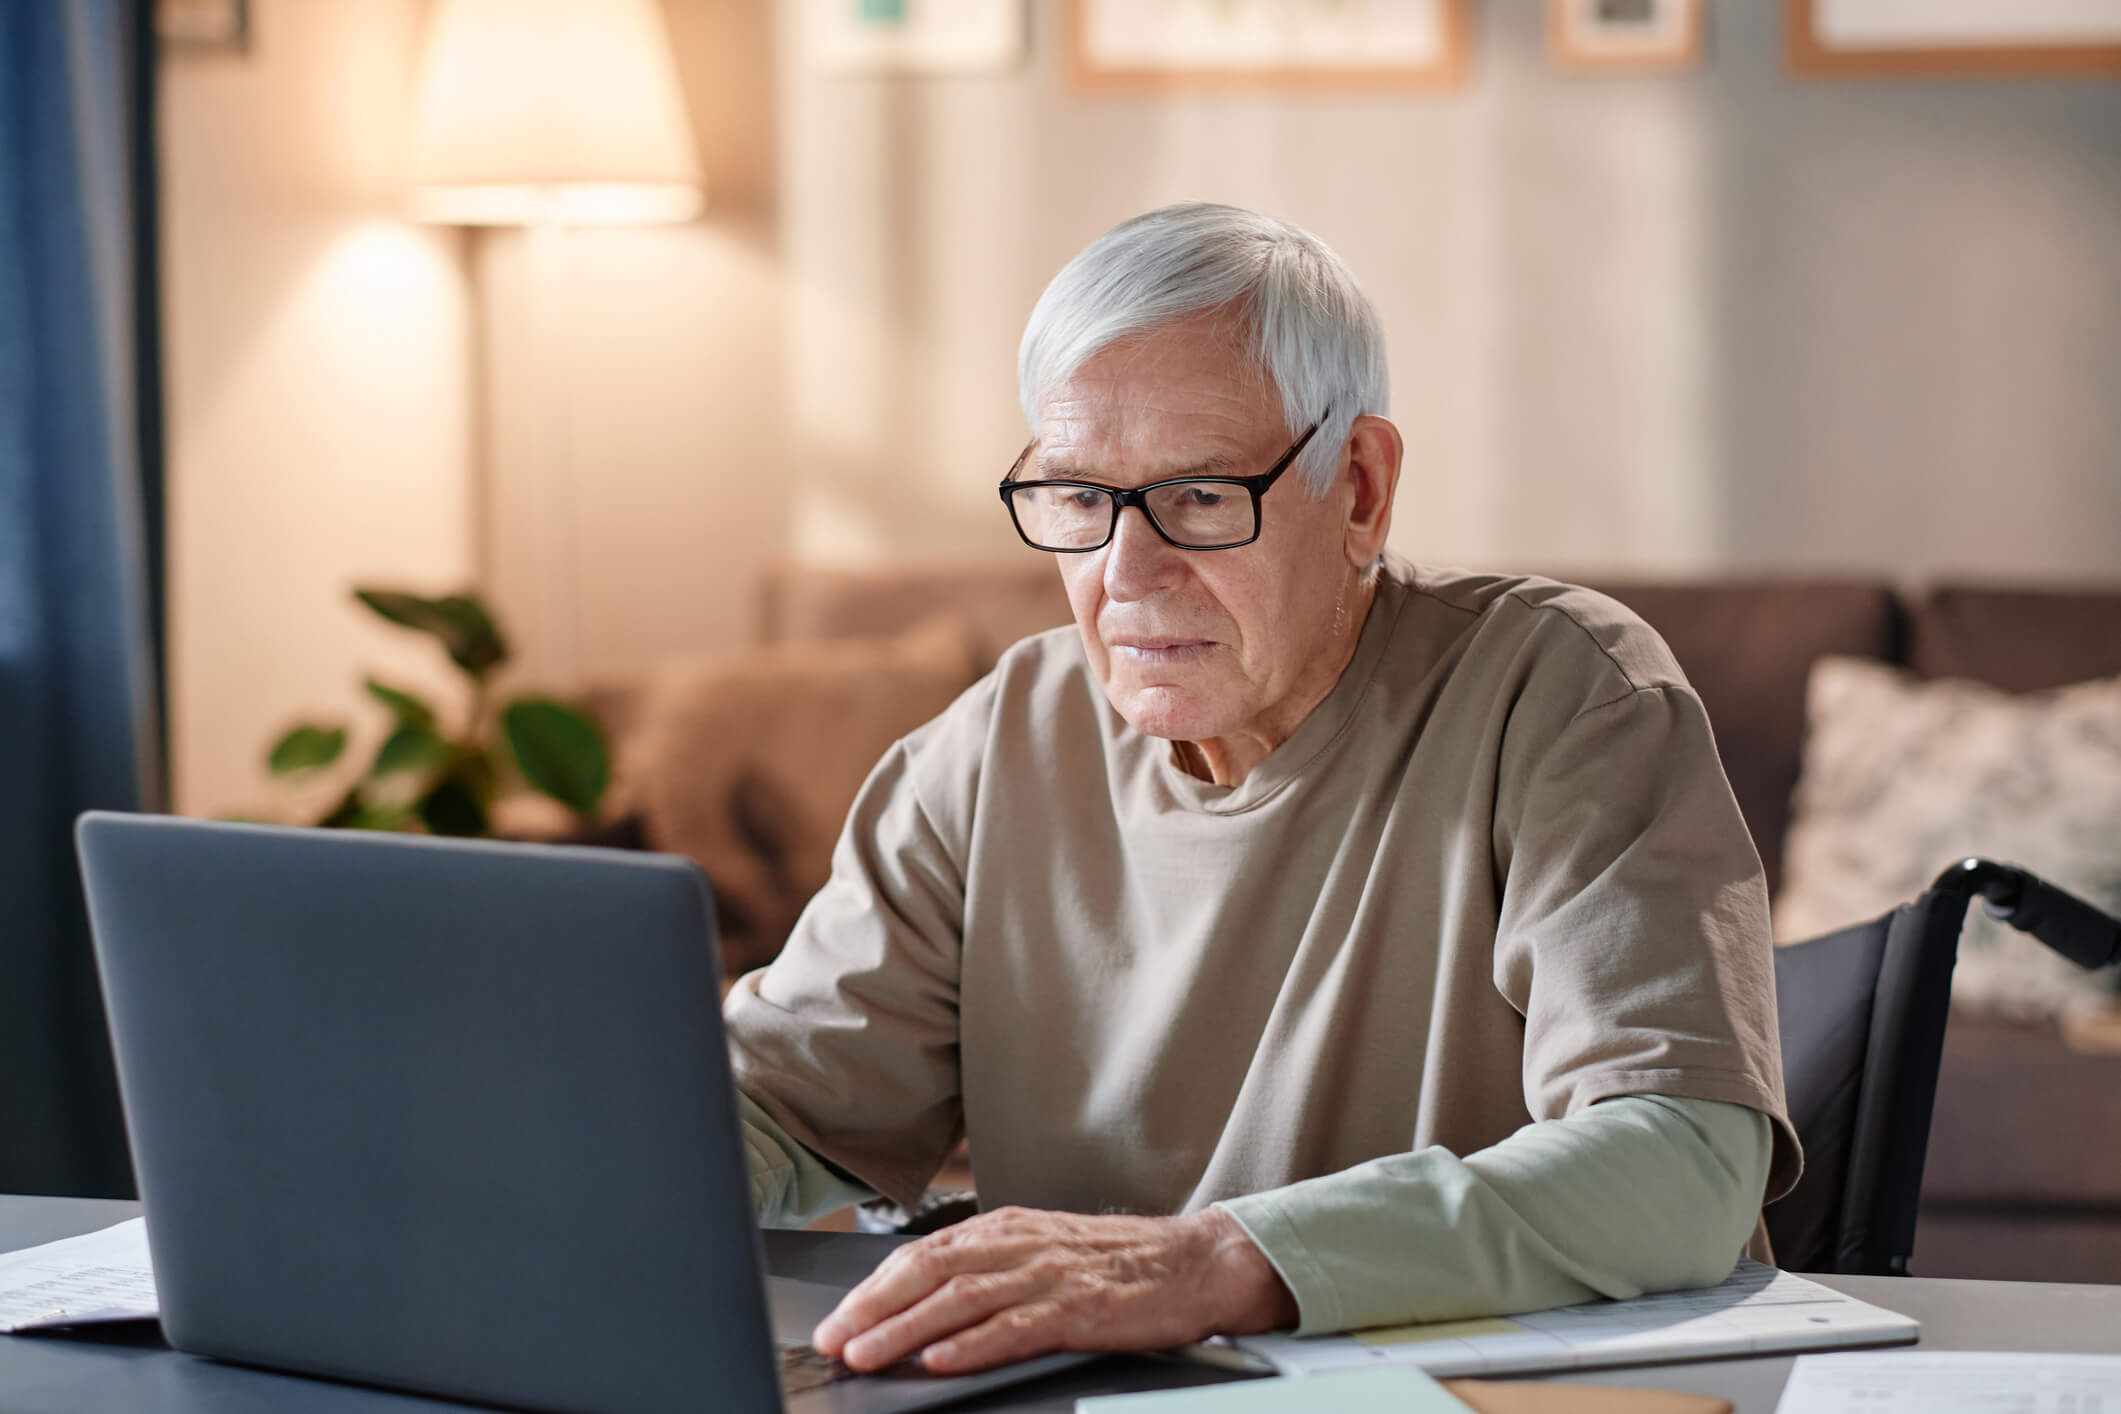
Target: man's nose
<point x="1138" y="561"/>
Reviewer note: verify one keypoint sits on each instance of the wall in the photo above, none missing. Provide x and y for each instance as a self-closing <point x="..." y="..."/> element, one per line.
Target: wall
<point x="1917" y="319"/>
<point x="317" y="385"/>
<point x="1725" y="319"/>
<point x="1721" y="319"/>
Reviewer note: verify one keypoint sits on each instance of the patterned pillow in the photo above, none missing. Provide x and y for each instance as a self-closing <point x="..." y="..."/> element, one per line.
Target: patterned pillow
<point x="748" y="762"/>
<point x="1903" y="776"/>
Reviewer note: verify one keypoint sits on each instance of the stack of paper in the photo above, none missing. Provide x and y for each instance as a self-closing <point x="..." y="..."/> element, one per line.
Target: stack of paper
<point x="1758" y="1310"/>
<point x="101" y="1276"/>
<point x="1400" y="1391"/>
<point x="1952" y="1382"/>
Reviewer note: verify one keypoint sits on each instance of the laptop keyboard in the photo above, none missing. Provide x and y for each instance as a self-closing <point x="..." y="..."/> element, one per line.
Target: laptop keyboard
<point x="803" y="1368"/>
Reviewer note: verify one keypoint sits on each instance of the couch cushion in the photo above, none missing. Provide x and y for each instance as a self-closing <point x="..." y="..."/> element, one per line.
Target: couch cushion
<point x="2015" y="639"/>
<point x="748" y="763"/>
<point x="1746" y="645"/>
<point x="1001" y="601"/>
<point x="2022" y="1118"/>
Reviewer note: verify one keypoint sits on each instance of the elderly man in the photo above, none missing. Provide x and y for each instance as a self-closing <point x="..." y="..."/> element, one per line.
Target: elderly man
<point x="1302" y="939"/>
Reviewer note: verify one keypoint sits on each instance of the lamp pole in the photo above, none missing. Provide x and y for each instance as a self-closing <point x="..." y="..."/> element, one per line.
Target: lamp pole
<point x="547" y="115"/>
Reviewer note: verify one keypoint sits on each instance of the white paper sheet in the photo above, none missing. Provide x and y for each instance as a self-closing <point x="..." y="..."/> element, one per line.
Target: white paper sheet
<point x="1758" y="1310"/>
<point x="99" y="1276"/>
<point x="1953" y="1382"/>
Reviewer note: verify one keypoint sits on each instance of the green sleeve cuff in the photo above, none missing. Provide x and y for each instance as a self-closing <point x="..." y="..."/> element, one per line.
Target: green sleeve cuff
<point x="1272" y="1230"/>
<point x="790" y="1186"/>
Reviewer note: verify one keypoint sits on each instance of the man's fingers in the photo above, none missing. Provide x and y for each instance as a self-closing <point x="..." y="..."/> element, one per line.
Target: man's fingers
<point x="1012" y="1284"/>
<point x="904" y="1277"/>
<point x="913" y="1272"/>
<point x="962" y="1301"/>
<point x="1017" y="1333"/>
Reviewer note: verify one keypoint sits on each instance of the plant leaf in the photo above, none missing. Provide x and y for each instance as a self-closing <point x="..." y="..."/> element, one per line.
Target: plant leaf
<point x="467" y="631"/>
<point x="306" y="748"/>
<point x="451" y="809"/>
<point x="560" y="751"/>
<point x="382" y="817"/>
<point x="410" y="711"/>
<point x="409" y="748"/>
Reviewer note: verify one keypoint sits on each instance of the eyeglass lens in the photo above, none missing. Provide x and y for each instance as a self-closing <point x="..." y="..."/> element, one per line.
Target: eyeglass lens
<point x="1199" y="514"/>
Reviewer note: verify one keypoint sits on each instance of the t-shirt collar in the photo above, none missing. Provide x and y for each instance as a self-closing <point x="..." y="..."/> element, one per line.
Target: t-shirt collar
<point x="1313" y="736"/>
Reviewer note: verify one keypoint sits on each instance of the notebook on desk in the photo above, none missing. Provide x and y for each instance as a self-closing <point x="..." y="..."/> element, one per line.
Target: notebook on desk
<point x="449" y="1116"/>
<point x="1758" y="1310"/>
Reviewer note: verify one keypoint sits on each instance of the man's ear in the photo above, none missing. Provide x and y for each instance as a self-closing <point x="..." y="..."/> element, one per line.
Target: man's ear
<point x="1374" y="453"/>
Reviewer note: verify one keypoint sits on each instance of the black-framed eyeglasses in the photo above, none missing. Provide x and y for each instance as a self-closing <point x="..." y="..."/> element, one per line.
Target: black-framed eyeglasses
<point x="1190" y="512"/>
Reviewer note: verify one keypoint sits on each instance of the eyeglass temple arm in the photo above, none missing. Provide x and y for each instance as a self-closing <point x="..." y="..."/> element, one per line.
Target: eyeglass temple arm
<point x="1018" y="465"/>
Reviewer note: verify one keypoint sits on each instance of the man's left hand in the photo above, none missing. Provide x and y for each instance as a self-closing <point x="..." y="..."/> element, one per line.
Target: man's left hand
<point x="1019" y="1282"/>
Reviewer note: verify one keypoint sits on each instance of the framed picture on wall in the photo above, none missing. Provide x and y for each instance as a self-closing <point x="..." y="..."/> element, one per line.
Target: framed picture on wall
<point x="1629" y="35"/>
<point x="1961" y="37"/>
<point x="929" y="37"/>
<point x="1157" y="45"/>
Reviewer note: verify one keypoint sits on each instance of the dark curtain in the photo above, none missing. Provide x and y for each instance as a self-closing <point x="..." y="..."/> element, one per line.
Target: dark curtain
<point x="79" y="553"/>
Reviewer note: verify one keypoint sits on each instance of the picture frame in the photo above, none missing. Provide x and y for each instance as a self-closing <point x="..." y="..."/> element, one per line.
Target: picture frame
<point x="1964" y="39"/>
<point x="1632" y="36"/>
<point x="1155" y="46"/>
<point x="930" y="38"/>
<point x="203" y="26"/>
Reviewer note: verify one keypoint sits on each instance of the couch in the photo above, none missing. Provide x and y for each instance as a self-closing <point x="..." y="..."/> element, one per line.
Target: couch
<point x="748" y="762"/>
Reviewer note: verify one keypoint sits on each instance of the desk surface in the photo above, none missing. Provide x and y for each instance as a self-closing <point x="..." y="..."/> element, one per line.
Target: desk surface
<point x="136" y="1371"/>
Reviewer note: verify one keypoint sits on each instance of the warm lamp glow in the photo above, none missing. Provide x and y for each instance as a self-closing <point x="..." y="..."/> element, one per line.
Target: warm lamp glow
<point x="551" y="110"/>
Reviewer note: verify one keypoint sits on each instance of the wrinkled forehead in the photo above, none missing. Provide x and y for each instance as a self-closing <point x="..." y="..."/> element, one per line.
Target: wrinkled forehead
<point x="1183" y="396"/>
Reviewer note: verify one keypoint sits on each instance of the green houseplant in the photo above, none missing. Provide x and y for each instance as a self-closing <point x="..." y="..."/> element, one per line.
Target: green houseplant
<point x="427" y="777"/>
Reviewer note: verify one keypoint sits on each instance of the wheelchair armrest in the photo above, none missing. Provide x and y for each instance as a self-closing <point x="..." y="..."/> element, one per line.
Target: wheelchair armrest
<point x="2081" y="932"/>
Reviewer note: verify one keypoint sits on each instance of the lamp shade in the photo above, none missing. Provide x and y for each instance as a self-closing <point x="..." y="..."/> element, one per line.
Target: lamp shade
<point x="551" y="110"/>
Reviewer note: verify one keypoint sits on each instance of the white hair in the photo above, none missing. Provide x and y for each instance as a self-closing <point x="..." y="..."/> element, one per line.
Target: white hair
<point x="1312" y="329"/>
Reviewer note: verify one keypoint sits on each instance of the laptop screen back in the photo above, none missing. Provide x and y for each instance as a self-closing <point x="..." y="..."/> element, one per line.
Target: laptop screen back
<point x="451" y="1116"/>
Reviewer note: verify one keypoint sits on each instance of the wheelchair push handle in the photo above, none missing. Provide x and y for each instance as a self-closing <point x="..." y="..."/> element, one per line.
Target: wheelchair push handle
<point x="2081" y="932"/>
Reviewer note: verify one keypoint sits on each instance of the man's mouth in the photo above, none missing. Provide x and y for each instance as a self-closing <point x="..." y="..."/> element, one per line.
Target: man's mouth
<point x="1146" y="649"/>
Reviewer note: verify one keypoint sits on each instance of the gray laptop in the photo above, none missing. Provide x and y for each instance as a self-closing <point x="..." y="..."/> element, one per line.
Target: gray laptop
<point x="448" y="1116"/>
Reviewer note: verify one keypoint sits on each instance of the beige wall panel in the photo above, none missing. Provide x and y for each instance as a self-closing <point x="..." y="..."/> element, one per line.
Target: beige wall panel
<point x="1714" y="320"/>
<point x="317" y="386"/>
<point x="638" y="472"/>
<point x="1718" y="319"/>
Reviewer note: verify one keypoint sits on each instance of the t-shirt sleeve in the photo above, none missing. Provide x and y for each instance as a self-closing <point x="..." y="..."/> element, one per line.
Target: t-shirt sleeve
<point x="1644" y="1193"/>
<point x="849" y="1039"/>
<point x="1633" y="935"/>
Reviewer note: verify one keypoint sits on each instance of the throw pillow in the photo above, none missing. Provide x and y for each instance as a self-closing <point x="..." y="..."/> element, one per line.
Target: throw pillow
<point x="1901" y="777"/>
<point x="748" y="763"/>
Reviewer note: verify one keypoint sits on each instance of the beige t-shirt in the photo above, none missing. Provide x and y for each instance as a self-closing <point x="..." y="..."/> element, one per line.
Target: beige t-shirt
<point x="1496" y="876"/>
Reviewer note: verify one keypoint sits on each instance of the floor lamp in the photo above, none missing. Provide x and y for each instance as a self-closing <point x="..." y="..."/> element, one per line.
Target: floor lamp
<point x="551" y="115"/>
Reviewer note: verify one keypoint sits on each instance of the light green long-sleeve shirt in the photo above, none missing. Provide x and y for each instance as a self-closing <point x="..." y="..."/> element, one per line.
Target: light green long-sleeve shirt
<point x="1638" y="1193"/>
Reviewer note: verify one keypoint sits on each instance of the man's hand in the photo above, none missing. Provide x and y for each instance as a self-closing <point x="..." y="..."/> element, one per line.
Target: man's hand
<point x="1019" y="1282"/>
